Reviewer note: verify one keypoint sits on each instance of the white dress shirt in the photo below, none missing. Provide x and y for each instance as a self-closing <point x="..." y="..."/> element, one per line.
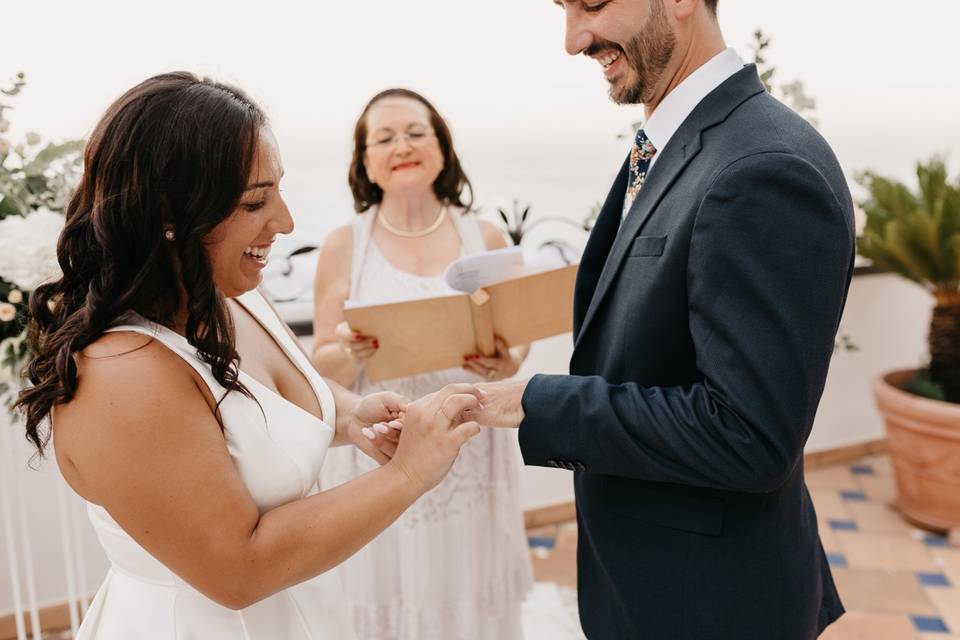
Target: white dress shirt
<point x="680" y="103"/>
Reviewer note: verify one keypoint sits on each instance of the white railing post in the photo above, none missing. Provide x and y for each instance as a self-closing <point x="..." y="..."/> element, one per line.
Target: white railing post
<point x="67" y="542"/>
<point x="6" y="473"/>
<point x="27" y="545"/>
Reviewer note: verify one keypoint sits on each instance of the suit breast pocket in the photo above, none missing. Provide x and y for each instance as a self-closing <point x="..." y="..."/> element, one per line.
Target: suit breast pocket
<point x="647" y="246"/>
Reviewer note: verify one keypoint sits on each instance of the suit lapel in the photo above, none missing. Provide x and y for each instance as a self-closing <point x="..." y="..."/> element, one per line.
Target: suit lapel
<point x="664" y="172"/>
<point x="682" y="148"/>
<point x="598" y="247"/>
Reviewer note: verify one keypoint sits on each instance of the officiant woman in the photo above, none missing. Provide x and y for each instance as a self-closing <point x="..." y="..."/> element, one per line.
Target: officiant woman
<point x="456" y="565"/>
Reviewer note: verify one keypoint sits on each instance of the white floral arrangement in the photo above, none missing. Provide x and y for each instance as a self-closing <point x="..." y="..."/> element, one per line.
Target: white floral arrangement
<point x="35" y="185"/>
<point x="28" y="258"/>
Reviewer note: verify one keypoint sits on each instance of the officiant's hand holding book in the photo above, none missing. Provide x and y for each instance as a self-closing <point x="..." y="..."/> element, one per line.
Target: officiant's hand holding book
<point x="504" y="293"/>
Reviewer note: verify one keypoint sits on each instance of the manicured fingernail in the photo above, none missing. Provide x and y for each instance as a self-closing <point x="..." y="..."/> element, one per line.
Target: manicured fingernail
<point x="368" y="433"/>
<point x="381" y="428"/>
<point x="376" y="344"/>
<point x="396" y="424"/>
<point x="482" y="392"/>
<point x="358" y="336"/>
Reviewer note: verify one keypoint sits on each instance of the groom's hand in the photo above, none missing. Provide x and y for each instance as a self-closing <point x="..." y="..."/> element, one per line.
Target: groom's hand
<point x="374" y="424"/>
<point x="501" y="404"/>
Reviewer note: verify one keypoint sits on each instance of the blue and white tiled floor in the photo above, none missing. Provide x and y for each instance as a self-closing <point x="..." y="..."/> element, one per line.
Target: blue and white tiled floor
<point x="897" y="582"/>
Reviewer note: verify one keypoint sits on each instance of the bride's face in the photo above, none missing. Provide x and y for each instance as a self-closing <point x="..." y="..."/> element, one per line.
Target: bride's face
<point x="239" y="246"/>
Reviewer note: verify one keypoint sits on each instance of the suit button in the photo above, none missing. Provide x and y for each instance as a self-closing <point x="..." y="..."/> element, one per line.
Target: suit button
<point x="553" y="463"/>
<point x="579" y="466"/>
<point x="569" y="465"/>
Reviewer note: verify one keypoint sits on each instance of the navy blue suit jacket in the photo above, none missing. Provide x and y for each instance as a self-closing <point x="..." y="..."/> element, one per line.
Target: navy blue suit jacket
<point x="703" y="329"/>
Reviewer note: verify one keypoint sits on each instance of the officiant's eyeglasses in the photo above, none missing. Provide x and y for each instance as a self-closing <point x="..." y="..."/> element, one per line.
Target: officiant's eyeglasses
<point x="414" y="138"/>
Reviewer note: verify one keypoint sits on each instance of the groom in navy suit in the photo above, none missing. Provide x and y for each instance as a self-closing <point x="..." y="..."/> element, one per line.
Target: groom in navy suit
<point x="706" y="307"/>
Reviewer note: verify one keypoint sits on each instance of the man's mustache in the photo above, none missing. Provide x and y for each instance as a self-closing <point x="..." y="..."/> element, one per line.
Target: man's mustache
<point x="603" y="45"/>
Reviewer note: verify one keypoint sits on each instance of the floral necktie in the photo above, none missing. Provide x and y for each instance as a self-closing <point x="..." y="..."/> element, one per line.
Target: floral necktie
<point x="640" y="156"/>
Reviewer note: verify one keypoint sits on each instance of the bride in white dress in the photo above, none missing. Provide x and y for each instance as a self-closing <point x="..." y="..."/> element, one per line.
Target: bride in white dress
<point x="183" y="411"/>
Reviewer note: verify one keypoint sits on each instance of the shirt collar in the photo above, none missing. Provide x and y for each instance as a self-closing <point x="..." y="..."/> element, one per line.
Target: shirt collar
<point x="679" y="103"/>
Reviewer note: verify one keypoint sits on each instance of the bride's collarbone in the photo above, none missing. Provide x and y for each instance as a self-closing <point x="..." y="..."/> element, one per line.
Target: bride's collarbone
<point x="265" y="361"/>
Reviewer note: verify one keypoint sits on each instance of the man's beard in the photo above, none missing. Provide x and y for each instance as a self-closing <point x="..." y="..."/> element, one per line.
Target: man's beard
<point x="648" y="54"/>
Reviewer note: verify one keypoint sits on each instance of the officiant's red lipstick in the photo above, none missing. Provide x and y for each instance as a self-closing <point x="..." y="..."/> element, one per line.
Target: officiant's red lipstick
<point x="405" y="165"/>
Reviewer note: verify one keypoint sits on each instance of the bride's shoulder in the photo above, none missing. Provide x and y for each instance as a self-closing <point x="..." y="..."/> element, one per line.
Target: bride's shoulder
<point x="131" y="389"/>
<point x="126" y="367"/>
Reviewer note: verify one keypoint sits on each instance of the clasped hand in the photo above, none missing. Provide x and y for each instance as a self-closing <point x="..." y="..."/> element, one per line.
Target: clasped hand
<point x="421" y="437"/>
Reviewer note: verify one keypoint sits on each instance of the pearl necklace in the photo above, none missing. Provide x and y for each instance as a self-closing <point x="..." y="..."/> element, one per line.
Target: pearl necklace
<point x="414" y="234"/>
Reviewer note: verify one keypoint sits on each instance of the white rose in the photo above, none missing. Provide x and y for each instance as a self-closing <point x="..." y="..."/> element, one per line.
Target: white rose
<point x="15" y="296"/>
<point x="33" y="138"/>
<point x="28" y="248"/>
<point x="7" y="312"/>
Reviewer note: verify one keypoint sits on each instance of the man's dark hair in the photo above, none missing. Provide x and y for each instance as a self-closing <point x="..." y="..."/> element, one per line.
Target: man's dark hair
<point x="712" y="5"/>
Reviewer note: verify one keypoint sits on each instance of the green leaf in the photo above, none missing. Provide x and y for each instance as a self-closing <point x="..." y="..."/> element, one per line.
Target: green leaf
<point x="49" y="154"/>
<point x="8" y="207"/>
<point x="922" y="385"/>
<point x="914" y="234"/>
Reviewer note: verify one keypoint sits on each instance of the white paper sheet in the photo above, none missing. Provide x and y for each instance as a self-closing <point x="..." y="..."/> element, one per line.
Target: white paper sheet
<point x="472" y="272"/>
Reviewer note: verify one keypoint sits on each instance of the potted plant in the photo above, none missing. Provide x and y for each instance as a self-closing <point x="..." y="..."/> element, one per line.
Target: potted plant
<point x="917" y="235"/>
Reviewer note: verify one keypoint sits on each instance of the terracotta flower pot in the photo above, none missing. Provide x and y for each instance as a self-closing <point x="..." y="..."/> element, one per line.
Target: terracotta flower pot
<point x="923" y="437"/>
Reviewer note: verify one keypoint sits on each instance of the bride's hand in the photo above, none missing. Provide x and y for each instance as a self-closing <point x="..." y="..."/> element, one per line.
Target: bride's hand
<point x="374" y="424"/>
<point x="434" y="429"/>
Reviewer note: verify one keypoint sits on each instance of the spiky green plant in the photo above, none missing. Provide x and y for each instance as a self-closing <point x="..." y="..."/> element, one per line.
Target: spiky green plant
<point x="917" y="235"/>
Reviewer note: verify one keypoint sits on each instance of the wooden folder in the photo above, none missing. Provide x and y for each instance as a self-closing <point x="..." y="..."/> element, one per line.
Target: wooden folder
<point x="429" y="334"/>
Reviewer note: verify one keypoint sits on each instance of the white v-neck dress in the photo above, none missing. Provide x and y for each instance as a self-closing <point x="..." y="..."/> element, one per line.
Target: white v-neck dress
<point x="278" y="453"/>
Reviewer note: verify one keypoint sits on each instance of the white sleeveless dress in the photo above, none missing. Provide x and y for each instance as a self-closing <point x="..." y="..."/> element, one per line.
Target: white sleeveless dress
<point x="278" y="454"/>
<point x="455" y="566"/>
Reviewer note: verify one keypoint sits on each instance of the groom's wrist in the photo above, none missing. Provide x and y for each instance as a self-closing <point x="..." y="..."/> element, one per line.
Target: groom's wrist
<point x="503" y="403"/>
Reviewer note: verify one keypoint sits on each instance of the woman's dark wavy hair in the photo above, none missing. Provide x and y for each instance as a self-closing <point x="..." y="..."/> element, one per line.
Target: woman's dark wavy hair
<point x="449" y="185"/>
<point x="174" y="151"/>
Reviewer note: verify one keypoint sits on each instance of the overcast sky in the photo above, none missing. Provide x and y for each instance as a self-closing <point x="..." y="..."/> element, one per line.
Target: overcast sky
<point x="523" y="112"/>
